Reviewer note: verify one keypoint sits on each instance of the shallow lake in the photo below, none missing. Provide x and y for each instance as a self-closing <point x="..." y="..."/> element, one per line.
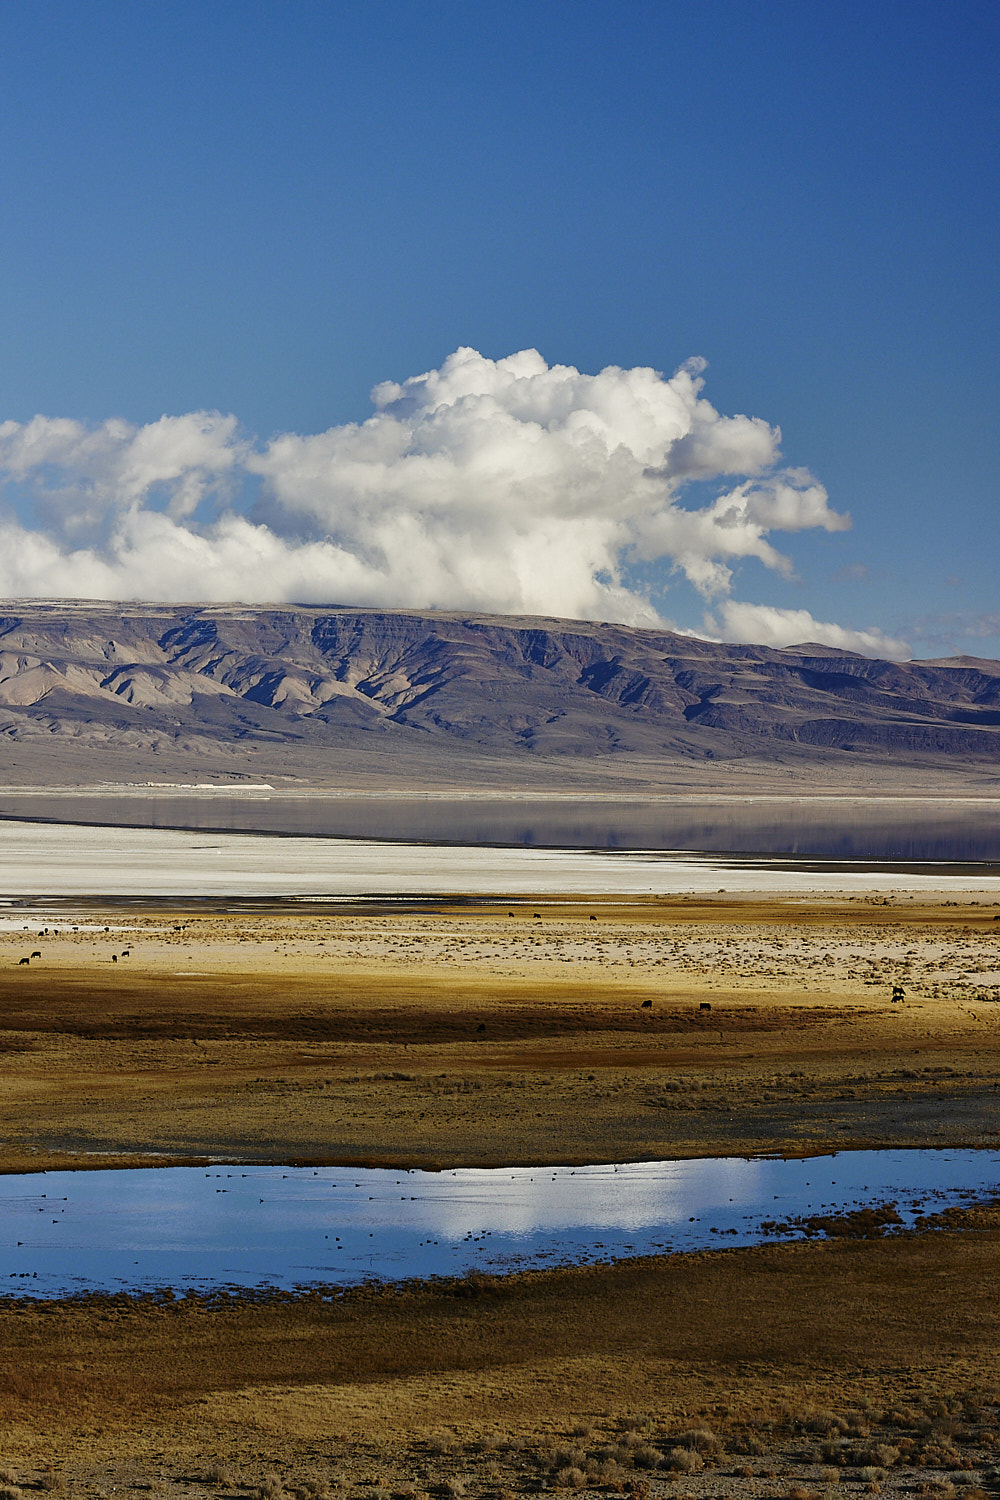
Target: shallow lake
<point x="811" y="828"/>
<point x="236" y="1226"/>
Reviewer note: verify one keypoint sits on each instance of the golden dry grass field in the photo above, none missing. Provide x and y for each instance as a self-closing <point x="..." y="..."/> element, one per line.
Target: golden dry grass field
<point x="539" y="1032"/>
<point x="462" y="1033"/>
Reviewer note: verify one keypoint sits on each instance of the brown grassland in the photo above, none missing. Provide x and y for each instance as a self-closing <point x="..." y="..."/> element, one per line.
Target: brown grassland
<point x="442" y="1033"/>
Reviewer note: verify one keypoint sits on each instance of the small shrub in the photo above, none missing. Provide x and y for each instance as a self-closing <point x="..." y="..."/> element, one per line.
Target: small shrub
<point x="219" y="1475"/>
<point x="455" y="1488"/>
<point x="826" y="1424"/>
<point x="563" y="1456"/>
<point x="606" y="1474"/>
<point x="11" y="1492"/>
<point x="571" y="1479"/>
<point x="581" y="1430"/>
<point x="647" y="1457"/>
<point x="7" y="1476"/>
<point x="405" y="1491"/>
<point x="701" y="1438"/>
<point x="879" y="1455"/>
<point x="50" y="1480"/>
<point x="685" y="1461"/>
<point x="271" y="1489"/>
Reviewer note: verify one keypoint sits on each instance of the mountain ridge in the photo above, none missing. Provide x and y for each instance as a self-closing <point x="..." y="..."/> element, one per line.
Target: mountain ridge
<point x="325" y="684"/>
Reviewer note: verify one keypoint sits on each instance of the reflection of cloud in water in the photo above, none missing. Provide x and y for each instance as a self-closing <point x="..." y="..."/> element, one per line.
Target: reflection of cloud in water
<point x="280" y="1226"/>
<point x="532" y="1200"/>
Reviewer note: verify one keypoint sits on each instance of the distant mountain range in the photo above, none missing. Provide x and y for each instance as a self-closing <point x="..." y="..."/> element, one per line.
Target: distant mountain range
<point x="314" y="692"/>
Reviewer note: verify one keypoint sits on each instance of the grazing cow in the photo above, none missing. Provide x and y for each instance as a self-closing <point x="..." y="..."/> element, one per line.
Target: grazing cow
<point x="704" y="1005"/>
<point x="537" y="916"/>
<point x="481" y="1026"/>
<point x="898" y="994"/>
<point x="21" y="961"/>
<point x="36" y="954"/>
<point x="646" y="1005"/>
<point x="114" y="958"/>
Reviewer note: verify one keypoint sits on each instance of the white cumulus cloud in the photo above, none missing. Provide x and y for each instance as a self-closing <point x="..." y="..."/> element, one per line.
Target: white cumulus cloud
<point x="507" y="486"/>
<point x="764" y="625"/>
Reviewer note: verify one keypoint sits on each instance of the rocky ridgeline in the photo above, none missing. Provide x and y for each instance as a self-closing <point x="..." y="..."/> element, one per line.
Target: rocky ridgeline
<point x="227" y="673"/>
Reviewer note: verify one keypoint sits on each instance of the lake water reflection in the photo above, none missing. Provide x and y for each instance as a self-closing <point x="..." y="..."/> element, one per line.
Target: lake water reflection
<point x="812" y="828"/>
<point x="62" y="1232"/>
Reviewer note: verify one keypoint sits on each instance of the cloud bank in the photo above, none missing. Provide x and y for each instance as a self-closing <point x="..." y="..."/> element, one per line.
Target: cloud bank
<point x="507" y="486"/>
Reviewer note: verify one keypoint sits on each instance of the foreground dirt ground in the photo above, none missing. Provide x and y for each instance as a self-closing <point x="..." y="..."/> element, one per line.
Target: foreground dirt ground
<point x="446" y="1034"/>
<point x="521" y="1033"/>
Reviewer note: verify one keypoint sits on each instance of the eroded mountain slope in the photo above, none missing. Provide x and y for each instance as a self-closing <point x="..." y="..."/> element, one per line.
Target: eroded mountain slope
<point x="160" y="678"/>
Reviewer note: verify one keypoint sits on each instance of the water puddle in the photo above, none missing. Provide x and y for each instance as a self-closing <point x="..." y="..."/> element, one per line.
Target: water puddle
<point x="283" y="1227"/>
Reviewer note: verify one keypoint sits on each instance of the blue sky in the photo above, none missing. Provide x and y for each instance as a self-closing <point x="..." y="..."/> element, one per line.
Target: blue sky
<point x="266" y="209"/>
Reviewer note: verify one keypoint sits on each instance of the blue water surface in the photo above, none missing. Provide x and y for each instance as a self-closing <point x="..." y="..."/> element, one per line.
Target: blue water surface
<point x="285" y="1227"/>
